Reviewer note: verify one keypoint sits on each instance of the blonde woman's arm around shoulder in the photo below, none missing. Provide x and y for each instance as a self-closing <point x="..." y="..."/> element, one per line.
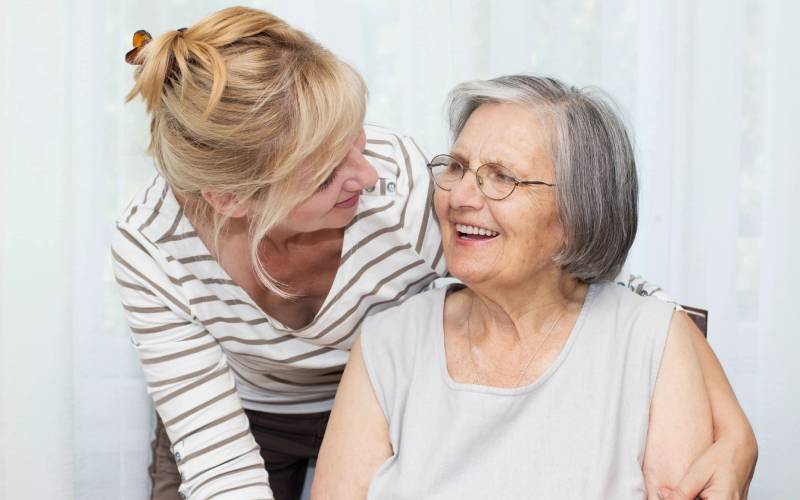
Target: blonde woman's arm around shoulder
<point x="357" y="438"/>
<point x="680" y="412"/>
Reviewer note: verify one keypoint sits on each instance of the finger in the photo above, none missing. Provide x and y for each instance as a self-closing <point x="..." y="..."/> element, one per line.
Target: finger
<point x="696" y="479"/>
<point x="668" y="494"/>
<point x="676" y="494"/>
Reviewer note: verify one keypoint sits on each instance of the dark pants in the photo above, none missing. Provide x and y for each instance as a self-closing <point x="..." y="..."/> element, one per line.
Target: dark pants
<point x="287" y="443"/>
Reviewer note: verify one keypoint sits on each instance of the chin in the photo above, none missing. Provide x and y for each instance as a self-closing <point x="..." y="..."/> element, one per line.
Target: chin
<point x="467" y="272"/>
<point x="473" y="259"/>
<point x="336" y="222"/>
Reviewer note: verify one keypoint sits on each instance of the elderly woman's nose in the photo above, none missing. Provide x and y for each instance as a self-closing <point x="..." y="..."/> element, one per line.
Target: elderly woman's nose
<point x="361" y="173"/>
<point x="466" y="192"/>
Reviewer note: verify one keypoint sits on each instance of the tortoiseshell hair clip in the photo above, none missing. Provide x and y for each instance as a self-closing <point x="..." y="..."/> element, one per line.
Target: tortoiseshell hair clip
<point x="140" y="39"/>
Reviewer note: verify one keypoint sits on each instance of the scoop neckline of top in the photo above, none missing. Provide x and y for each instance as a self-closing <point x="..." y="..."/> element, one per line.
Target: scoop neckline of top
<point x="441" y="357"/>
<point x="243" y="295"/>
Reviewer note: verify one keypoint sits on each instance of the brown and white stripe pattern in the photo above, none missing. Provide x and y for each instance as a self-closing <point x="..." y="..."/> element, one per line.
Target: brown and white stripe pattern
<point x="207" y="350"/>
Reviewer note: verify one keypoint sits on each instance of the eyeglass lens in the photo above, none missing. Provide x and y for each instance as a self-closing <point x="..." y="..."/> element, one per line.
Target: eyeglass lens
<point x="494" y="181"/>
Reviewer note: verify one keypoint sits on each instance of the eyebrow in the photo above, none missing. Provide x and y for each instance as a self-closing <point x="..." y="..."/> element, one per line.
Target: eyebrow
<point x="458" y="157"/>
<point x="462" y="159"/>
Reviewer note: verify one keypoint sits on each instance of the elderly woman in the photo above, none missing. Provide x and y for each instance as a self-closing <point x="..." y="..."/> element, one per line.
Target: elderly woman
<point x="540" y="378"/>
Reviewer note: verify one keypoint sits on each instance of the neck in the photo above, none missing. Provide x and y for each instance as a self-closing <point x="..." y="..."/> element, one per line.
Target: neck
<point x="284" y="242"/>
<point x="526" y="309"/>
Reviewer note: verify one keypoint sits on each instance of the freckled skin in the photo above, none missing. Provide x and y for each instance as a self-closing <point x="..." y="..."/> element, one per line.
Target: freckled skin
<point x="528" y="222"/>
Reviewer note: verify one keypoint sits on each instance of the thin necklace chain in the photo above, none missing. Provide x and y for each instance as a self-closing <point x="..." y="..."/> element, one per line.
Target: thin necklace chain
<point x="531" y="357"/>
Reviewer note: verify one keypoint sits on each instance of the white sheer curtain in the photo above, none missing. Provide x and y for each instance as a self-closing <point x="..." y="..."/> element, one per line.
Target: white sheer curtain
<point x="708" y="88"/>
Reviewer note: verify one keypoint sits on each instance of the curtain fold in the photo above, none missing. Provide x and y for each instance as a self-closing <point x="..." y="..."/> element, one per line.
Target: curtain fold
<point x="778" y="371"/>
<point x="35" y="312"/>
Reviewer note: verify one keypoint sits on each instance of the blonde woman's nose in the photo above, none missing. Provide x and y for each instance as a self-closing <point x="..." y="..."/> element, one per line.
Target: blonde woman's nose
<point x="361" y="173"/>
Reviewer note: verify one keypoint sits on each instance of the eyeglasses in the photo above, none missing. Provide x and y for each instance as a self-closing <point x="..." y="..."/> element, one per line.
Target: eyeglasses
<point x="496" y="182"/>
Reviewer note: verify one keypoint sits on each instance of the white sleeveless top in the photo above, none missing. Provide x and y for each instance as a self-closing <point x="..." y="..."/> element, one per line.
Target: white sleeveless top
<point x="576" y="433"/>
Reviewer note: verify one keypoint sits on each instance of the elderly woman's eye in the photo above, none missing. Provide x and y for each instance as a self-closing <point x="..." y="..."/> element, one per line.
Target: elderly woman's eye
<point x="499" y="174"/>
<point x="506" y="178"/>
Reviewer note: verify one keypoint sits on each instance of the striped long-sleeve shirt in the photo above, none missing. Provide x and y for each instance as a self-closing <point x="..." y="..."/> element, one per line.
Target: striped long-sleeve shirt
<point x="208" y="351"/>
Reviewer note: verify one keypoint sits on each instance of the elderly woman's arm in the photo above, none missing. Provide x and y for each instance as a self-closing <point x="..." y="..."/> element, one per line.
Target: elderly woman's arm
<point x="680" y="412"/>
<point x="723" y="470"/>
<point x="356" y="441"/>
<point x="726" y="467"/>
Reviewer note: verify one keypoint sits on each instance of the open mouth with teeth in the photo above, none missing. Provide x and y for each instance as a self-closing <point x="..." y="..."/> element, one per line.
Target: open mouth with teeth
<point x="474" y="232"/>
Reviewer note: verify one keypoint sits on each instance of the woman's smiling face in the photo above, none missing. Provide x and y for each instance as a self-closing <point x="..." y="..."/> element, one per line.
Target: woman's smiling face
<point x="522" y="233"/>
<point x="335" y="202"/>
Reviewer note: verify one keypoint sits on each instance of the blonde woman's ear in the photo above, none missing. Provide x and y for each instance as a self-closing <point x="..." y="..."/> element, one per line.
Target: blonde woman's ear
<point x="226" y="204"/>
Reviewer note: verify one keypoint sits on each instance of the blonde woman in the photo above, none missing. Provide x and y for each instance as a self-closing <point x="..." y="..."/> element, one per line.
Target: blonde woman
<point x="248" y="264"/>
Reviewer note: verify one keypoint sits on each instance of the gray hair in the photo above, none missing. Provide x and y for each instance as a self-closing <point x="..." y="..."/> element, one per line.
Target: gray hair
<point x="595" y="170"/>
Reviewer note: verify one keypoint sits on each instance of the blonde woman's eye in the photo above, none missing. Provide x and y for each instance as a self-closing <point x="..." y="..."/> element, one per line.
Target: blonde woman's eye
<point x="327" y="182"/>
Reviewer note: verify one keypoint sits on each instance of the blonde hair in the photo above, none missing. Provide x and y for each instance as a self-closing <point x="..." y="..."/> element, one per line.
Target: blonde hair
<point x="244" y="104"/>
